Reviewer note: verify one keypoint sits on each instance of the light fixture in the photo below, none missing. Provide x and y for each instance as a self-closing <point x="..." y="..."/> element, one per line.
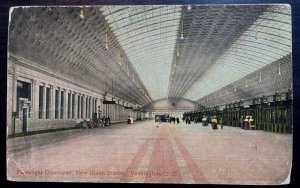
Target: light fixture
<point x="120" y="59"/>
<point x="256" y="31"/>
<point x="235" y="88"/>
<point x="260" y="76"/>
<point x="81" y="13"/>
<point x="177" y="51"/>
<point x="189" y="7"/>
<point x="279" y="68"/>
<point x="106" y="42"/>
<point x="181" y="36"/>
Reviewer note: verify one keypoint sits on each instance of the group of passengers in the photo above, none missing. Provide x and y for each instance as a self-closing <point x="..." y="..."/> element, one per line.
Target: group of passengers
<point x="214" y="122"/>
<point x="100" y="122"/>
<point x="205" y="120"/>
<point x="173" y="119"/>
<point x="246" y="122"/>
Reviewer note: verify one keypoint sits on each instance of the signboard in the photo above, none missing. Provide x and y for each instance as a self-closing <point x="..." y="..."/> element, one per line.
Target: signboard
<point x="109" y="102"/>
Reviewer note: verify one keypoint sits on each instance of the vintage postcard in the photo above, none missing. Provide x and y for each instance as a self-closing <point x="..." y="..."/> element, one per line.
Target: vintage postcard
<point x="176" y="94"/>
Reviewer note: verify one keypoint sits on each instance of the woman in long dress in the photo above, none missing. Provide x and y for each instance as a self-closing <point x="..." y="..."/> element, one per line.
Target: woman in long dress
<point x="214" y="123"/>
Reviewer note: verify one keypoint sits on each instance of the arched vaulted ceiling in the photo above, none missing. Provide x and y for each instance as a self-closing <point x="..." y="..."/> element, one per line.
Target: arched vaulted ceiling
<point x="154" y="52"/>
<point x="148" y="35"/>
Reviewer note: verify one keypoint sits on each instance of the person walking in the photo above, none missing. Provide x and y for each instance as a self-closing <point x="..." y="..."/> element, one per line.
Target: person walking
<point x="221" y="123"/>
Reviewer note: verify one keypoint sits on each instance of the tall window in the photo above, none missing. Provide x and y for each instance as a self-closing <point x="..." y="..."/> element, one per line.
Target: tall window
<point x="89" y="107"/>
<point x="73" y="106"/>
<point x="86" y="107"/>
<point x="23" y="91"/>
<point x="81" y="106"/>
<point x="62" y="104"/>
<point x="69" y="105"/>
<point x="41" y="96"/>
<point x="78" y="107"/>
<point x="93" y="106"/>
<point x="48" y="92"/>
<point x="56" y="104"/>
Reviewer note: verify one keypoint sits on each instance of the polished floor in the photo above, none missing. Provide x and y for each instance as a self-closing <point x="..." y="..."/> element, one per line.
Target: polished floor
<point x="144" y="153"/>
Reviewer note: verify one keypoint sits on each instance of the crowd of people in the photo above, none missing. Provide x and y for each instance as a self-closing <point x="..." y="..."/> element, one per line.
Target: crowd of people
<point x="100" y="122"/>
<point x="247" y="122"/>
<point x="173" y="119"/>
<point x="205" y="121"/>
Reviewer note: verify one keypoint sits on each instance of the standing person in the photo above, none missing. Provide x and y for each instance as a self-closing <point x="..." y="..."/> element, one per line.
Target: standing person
<point x="246" y="123"/>
<point x="204" y="121"/>
<point x="221" y="123"/>
<point x="128" y="120"/>
<point x="108" y="120"/>
<point x="103" y="121"/>
<point x="177" y="120"/>
<point x="242" y="122"/>
<point x="214" y="123"/>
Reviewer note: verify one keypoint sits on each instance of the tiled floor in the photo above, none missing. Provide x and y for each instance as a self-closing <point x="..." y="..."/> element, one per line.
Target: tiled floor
<point x="144" y="153"/>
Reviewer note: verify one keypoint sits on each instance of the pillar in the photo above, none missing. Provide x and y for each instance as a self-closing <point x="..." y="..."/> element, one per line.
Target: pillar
<point x="35" y="99"/>
<point x="75" y="104"/>
<point x="52" y="102"/>
<point x="66" y="103"/>
<point x="84" y="107"/>
<point x="59" y="103"/>
<point x="91" y="107"/>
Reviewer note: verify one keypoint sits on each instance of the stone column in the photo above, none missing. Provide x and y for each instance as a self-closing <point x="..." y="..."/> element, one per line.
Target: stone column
<point x="35" y="99"/>
<point x="91" y="107"/>
<point x="52" y="102"/>
<point x="14" y="95"/>
<point x="66" y="103"/>
<point x="59" y="103"/>
<point x="75" y="105"/>
<point x="96" y="107"/>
